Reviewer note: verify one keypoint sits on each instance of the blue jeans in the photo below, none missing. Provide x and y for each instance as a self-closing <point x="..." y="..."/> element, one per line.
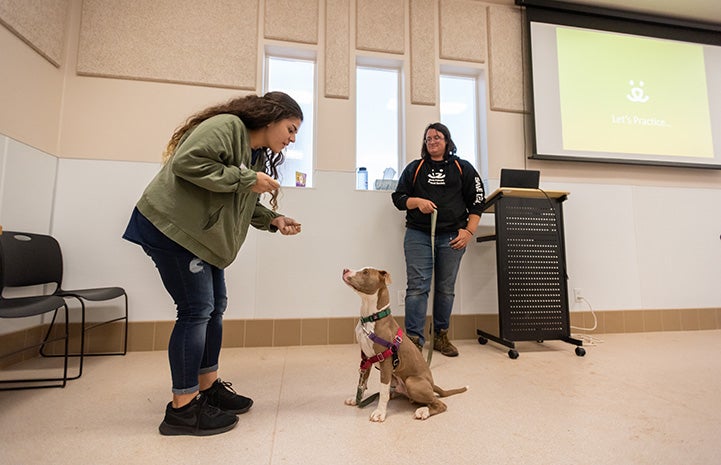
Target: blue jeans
<point x="200" y="296"/>
<point x="419" y="269"/>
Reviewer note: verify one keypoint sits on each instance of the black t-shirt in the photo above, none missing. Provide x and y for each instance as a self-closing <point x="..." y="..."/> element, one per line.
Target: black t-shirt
<point x="452" y="184"/>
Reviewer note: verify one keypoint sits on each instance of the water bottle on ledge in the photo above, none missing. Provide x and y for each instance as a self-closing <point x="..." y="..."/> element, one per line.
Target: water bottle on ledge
<point x="362" y="178"/>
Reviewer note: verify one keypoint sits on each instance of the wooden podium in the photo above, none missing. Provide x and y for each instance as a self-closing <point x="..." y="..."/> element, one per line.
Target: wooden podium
<point x="531" y="267"/>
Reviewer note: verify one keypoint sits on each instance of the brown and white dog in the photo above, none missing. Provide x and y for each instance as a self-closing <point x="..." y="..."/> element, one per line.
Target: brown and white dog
<point x="411" y="375"/>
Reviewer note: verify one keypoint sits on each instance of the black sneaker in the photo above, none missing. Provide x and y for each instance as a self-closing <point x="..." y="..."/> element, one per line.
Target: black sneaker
<point x="198" y="418"/>
<point x="222" y="396"/>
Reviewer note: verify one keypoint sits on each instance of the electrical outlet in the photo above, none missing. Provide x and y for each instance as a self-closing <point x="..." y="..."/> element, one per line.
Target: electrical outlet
<point x="401" y="298"/>
<point x="577" y="294"/>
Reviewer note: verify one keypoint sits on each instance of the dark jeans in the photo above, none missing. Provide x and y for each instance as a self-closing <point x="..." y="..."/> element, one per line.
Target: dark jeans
<point x="200" y="296"/>
<point x="419" y="269"/>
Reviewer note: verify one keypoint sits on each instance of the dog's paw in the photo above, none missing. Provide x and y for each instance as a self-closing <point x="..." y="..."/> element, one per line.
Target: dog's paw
<point x="378" y="416"/>
<point x="422" y="413"/>
<point x="351" y="401"/>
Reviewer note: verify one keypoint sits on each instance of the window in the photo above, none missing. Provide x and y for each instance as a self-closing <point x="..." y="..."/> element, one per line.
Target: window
<point x="461" y="98"/>
<point x="378" y="125"/>
<point x="296" y="77"/>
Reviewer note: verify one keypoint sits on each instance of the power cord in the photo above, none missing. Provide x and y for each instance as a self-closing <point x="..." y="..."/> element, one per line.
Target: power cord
<point x="588" y="339"/>
<point x="525" y="110"/>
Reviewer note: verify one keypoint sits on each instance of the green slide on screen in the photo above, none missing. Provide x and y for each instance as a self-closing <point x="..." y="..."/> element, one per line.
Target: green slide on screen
<point x="635" y="95"/>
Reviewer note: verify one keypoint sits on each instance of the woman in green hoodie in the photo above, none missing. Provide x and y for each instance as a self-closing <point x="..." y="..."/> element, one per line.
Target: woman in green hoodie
<point x="191" y="220"/>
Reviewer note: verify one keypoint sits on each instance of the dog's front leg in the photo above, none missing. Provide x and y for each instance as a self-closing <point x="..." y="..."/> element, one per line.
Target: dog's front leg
<point x="379" y="414"/>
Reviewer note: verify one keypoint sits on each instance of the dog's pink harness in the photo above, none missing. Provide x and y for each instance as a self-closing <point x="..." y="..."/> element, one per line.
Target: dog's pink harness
<point x="367" y="362"/>
<point x="391" y="347"/>
<point x="391" y="350"/>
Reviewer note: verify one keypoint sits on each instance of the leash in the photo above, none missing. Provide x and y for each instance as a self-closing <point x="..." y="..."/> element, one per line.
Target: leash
<point x="360" y="402"/>
<point x="432" y="291"/>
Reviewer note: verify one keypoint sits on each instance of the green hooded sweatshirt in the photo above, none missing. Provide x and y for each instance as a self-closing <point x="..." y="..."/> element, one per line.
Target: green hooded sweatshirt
<point x="201" y="197"/>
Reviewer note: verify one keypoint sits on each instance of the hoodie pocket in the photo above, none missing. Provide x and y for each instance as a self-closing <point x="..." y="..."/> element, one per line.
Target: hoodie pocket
<point x="213" y="218"/>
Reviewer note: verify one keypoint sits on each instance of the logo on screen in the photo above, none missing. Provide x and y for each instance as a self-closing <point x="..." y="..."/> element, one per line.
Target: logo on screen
<point x="637" y="93"/>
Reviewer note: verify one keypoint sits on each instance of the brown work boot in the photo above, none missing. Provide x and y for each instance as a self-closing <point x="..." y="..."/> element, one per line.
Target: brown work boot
<point x="443" y="345"/>
<point x="416" y="341"/>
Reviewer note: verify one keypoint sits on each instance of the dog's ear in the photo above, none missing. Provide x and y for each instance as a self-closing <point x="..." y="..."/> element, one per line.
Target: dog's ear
<point x="386" y="277"/>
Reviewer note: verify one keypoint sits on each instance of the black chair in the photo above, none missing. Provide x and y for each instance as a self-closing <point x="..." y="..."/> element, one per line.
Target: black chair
<point x="22" y="267"/>
<point x="50" y="256"/>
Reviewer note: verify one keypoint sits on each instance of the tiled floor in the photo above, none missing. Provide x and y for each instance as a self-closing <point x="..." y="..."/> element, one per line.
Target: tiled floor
<point x="647" y="398"/>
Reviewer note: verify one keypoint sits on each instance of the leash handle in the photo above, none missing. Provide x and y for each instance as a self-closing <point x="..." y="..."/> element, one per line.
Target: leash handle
<point x="368" y="399"/>
<point x="359" y="401"/>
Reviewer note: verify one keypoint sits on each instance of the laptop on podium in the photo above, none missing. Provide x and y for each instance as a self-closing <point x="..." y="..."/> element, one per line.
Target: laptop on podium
<point x="526" y="179"/>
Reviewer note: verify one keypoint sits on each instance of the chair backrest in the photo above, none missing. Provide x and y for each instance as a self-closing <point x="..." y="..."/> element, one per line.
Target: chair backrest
<point x="28" y="259"/>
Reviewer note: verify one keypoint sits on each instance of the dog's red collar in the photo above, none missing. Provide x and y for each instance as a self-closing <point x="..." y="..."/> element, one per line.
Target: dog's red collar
<point x="391" y="351"/>
<point x="376" y="316"/>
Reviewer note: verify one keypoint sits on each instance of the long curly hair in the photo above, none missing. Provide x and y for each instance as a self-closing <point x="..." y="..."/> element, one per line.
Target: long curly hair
<point x="255" y="112"/>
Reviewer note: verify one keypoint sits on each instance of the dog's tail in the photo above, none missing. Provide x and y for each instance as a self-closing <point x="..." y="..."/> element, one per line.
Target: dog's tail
<point x="449" y="392"/>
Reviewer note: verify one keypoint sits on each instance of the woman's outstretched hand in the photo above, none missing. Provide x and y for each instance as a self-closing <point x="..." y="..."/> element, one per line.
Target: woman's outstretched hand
<point x="286" y="226"/>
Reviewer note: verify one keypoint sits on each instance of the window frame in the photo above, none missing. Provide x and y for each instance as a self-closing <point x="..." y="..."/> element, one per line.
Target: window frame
<point x="291" y="54"/>
<point x="481" y="112"/>
<point x="396" y="66"/>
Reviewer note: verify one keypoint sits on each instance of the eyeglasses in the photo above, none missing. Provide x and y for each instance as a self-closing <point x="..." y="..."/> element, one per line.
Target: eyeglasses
<point x="434" y="138"/>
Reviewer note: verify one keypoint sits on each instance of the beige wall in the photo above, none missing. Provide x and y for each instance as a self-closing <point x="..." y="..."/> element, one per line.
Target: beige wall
<point x="129" y="115"/>
<point x="31" y="92"/>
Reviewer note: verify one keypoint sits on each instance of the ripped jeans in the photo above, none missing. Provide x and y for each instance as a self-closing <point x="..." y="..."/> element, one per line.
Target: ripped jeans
<point x="200" y="296"/>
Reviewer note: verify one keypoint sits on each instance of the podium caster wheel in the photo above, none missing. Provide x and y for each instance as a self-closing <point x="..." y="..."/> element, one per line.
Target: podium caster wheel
<point x="513" y="353"/>
<point x="580" y="351"/>
<point x="482" y="340"/>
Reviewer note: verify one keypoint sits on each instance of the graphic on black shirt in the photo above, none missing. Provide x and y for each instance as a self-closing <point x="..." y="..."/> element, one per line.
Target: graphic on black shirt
<point x="437" y="177"/>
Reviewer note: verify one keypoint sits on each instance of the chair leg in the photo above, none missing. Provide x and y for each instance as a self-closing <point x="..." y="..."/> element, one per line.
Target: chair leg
<point x="67" y="349"/>
<point x="125" y="339"/>
<point x="82" y="337"/>
<point x="83" y="331"/>
<point x="64" y="380"/>
<point x="90" y="327"/>
<point x="67" y="345"/>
